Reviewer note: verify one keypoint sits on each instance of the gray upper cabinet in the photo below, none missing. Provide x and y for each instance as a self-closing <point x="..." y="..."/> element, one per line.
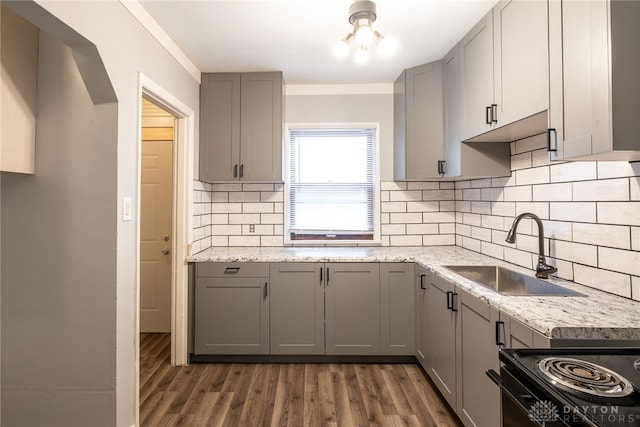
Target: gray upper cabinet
<point x="594" y="111"/>
<point x="489" y="159"/>
<point x="232" y="308"/>
<point x="241" y="127"/>
<point x="504" y="74"/>
<point x="397" y="309"/>
<point x="418" y="122"/>
<point x="297" y="308"/>
<point x="521" y="81"/>
<point x="476" y="78"/>
<point x="352" y="307"/>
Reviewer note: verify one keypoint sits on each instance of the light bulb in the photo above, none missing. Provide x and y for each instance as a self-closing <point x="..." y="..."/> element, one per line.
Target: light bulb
<point x="364" y="34"/>
<point x="362" y="55"/>
<point x="341" y="49"/>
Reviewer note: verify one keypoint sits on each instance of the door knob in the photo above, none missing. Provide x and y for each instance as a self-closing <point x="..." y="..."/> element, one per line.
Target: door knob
<point x="165" y="252"/>
<point x="165" y="238"/>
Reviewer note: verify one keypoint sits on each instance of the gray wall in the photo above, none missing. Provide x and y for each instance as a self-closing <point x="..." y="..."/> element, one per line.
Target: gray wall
<point x="75" y="303"/>
<point x="58" y="252"/>
<point x="358" y="108"/>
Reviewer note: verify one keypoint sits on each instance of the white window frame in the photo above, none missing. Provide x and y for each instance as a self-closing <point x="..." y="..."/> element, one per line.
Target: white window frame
<point x="376" y="180"/>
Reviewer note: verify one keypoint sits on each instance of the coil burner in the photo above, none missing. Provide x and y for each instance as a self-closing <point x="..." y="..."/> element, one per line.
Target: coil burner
<point x="585" y="377"/>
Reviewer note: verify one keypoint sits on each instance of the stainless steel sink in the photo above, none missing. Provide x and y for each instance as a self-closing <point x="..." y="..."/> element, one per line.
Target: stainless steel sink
<point x="509" y="282"/>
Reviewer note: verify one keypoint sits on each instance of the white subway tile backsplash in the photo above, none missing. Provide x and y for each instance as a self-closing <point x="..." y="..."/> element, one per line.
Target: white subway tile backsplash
<point x="423" y="185"/>
<point x="226" y="208"/>
<point x="472" y="219"/>
<point x="538" y="208"/>
<point x="271" y="240"/>
<point x="405" y="196"/>
<point x="463" y="230"/>
<point x="438" y="195"/>
<point x="532" y="176"/>
<point x="521" y="161"/>
<point x="615" y="236"/>
<point x="506" y="181"/>
<point x="635" y="288"/>
<point x="553" y="192"/>
<point x="439" y="240"/>
<point x="491" y="249"/>
<point x="272" y="196"/>
<point x="492" y="194"/>
<point x="575" y="252"/>
<point x="219" y="218"/>
<point x="447" y="228"/>
<point x="635" y="238"/>
<point x="393" y="229"/>
<point x="573" y="171"/>
<point x="430" y="206"/>
<point x="504" y="209"/>
<point x="635" y="188"/>
<point x="518" y="257"/>
<point x="448" y="205"/>
<point x="529" y="144"/>
<point x="257" y="208"/>
<point x="463" y="206"/>
<point x="244" y="196"/>
<point x="471" y="244"/>
<point x="244" y="240"/>
<point x="405" y="240"/>
<point x="619" y="260"/>
<point x="406" y="218"/>
<point x="616" y="170"/>
<point x="627" y="213"/>
<point x="393" y="207"/>
<point x="609" y="281"/>
<point x="226" y="230"/>
<point x="558" y="230"/>
<point x="244" y="218"/>
<point x="226" y="187"/>
<point x="481" y="183"/>
<point x="447" y="185"/>
<point x="575" y="212"/>
<point x="517" y="194"/>
<point x="481" y="208"/>
<point x="384" y="196"/>
<point x="219" y="196"/>
<point x="393" y="185"/>
<point x="422" y="229"/>
<point x="492" y="222"/>
<point x="271" y="219"/>
<point x="481" y="233"/>
<point x="258" y="187"/>
<point x="472" y="194"/>
<point x="603" y="190"/>
<point x="540" y="158"/>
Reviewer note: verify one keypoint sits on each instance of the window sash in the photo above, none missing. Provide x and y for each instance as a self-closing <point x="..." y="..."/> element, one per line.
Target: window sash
<point x="321" y="206"/>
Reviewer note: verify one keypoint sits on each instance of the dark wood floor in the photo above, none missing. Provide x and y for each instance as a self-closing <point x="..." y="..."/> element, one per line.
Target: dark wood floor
<point x="283" y="394"/>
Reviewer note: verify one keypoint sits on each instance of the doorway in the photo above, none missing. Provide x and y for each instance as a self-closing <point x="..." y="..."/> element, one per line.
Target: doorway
<point x="156" y="218"/>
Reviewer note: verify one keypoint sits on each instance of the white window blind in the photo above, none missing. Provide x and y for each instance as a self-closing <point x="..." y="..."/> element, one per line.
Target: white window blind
<point x="331" y="183"/>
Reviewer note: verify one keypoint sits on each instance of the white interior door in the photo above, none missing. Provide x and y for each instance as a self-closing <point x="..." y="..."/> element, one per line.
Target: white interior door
<point x="156" y="220"/>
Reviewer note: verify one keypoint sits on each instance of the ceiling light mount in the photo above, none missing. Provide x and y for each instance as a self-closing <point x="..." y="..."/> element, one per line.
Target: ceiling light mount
<point x="362" y="15"/>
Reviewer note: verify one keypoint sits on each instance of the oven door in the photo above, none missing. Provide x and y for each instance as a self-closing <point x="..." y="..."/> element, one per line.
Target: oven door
<point x="523" y="405"/>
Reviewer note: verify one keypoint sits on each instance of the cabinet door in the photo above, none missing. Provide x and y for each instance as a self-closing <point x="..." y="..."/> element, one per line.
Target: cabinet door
<point x="478" y="397"/>
<point x="476" y="77"/>
<point x="521" y="59"/>
<point x="219" y="126"/>
<point x="397" y="311"/>
<point x="442" y="336"/>
<point x="352" y="306"/>
<point x="578" y="77"/>
<point x="423" y="345"/>
<point x="232" y="315"/>
<point x="261" y="127"/>
<point x="424" y="111"/>
<point x="297" y="309"/>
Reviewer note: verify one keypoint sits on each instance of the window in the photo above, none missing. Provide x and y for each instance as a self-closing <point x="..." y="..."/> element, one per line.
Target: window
<point x="332" y="184"/>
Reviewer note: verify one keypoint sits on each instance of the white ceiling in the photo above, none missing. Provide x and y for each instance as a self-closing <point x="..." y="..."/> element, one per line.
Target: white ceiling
<point x="297" y="36"/>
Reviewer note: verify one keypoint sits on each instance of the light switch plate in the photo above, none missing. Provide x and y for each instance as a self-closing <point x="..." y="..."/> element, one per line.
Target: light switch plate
<point x="126" y="209"/>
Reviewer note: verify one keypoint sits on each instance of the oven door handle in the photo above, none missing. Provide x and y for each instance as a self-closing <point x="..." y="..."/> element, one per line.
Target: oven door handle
<point x="510" y="393"/>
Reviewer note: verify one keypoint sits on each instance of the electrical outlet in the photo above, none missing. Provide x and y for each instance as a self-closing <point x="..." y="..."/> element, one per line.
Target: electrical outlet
<point x="252" y="228"/>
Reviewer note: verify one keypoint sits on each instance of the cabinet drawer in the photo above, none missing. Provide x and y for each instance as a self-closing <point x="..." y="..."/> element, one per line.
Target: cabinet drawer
<point x="232" y="269"/>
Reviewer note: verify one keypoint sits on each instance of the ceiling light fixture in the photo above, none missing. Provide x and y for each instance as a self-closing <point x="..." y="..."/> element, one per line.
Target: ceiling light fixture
<point x="362" y="15"/>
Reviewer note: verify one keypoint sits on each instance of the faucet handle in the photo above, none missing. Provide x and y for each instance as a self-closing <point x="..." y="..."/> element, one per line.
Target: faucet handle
<point x="543" y="270"/>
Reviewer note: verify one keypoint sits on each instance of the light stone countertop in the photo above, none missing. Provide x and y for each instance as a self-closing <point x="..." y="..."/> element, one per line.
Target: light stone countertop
<point x="597" y="315"/>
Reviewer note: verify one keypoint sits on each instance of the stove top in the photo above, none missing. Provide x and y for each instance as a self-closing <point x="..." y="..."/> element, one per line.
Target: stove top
<point x="602" y="384"/>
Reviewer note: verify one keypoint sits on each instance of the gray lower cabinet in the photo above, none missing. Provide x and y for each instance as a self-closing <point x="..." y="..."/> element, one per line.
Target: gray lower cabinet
<point x="297" y="308"/>
<point x="397" y="310"/>
<point x="480" y="335"/>
<point x="352" y="308"/>
<point x="232" y="308"/>
<point x="442" y="320"/>
<point x="423" y="349"/>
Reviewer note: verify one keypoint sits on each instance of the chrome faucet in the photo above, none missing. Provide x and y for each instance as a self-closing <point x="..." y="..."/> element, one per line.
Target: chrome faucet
<point x="543" y="270"/>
